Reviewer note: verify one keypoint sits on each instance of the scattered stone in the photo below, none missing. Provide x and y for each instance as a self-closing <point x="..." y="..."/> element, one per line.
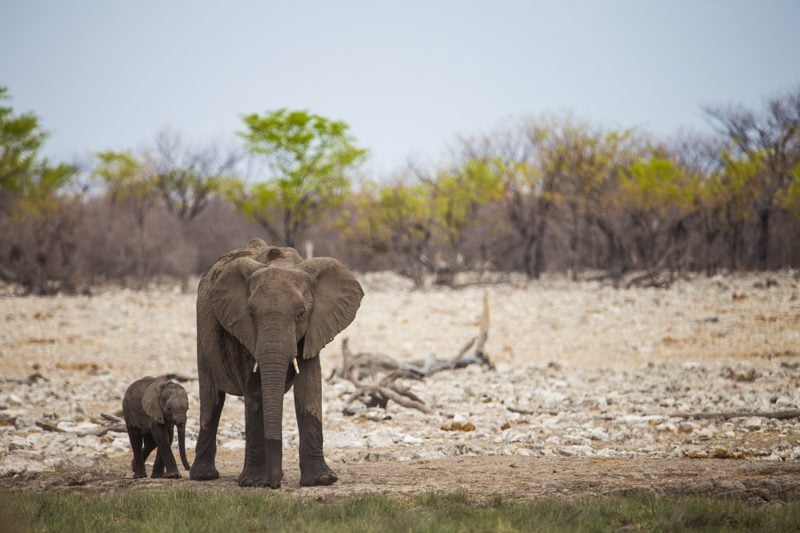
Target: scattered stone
<point x="753" y="423"/>
<point x="747" y="375"/>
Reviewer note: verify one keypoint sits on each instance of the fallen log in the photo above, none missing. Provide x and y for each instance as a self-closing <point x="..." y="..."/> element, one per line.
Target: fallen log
<point x="778" y="415"/>
<point x="99" y="432"/>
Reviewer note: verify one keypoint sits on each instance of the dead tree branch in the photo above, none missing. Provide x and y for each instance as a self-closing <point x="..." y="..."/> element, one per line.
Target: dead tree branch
<point x="779" y="415"/>
<point x="375" y="375"/>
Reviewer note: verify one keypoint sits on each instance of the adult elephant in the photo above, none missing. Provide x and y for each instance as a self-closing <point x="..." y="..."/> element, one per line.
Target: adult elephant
<point x="263" y="315"/>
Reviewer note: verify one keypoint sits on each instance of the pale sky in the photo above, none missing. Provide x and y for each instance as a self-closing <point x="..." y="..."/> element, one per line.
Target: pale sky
<point x="408" y="76"/>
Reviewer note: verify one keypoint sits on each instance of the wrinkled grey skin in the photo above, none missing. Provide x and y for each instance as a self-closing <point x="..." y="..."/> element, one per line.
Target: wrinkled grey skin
<point x="260" y="309"/>
<point x="152" y="408"/>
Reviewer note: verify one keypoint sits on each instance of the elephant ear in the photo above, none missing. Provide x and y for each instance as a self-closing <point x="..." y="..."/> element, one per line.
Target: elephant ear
<point x="337" y="296"/>
<point x="228" y="297"/>
<point x="150" y="402"/>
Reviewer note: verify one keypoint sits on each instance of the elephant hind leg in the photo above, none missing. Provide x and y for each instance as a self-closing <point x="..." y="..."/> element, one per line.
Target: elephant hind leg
<point x="203" y="467"/>
<point x="137" y="463"/>
<point x="158" y="463"/>
<point x="149" y="446"/>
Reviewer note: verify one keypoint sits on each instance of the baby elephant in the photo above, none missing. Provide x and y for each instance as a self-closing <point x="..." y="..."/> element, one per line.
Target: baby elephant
<point x="152" y="408"/>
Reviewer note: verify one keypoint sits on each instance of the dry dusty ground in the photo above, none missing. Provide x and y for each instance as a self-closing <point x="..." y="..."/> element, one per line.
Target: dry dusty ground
<point x="588" y="384"/>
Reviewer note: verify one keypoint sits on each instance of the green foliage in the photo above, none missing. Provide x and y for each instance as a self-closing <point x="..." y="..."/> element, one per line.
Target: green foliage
<point x="183" y="510"/>
<point x="308" y="157"/>
<point x="736" y="186"/>
<point x="458" y="194"/>
<point x="658" y="184"/>
<point x="125" y="176"/>
<point x="25" y="176"/>
<point x="426" y="217"/>
<point x="790" y="199"/>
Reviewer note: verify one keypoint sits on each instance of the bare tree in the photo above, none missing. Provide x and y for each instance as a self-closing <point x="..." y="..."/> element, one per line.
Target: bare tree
<point x="770" y="139"/>
<point x="188" y="176"/>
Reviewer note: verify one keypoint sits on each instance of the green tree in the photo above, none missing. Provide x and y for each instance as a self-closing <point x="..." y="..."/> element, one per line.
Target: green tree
<point x="660" y="200"/>
<point x="458" y="194"/>
<point x="40" y="242"/>
<point x="131" y="185"/>
<point x="736" y="188"/>
<point x="308" y="160"/>
<point x="422" y="219"/>
<point x="25" y="176"/>
<point x="550" y="164"/>
<point x="770" y="138"/>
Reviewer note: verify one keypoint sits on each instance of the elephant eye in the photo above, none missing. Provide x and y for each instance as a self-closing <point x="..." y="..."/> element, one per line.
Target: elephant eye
<point x="300" y="314"/>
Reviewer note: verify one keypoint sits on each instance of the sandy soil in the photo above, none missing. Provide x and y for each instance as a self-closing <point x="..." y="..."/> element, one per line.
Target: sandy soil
<point x="596" y="372"/>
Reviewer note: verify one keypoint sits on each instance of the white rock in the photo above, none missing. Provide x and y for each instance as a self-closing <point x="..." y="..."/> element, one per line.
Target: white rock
<point x="577" y="440"/>
<point x="235" y="444"/>
<point x="596" y="434"/>
<point x="13" y="399"/>
<point x="576" y="451"/>
<point x="120" y="443"/>
<point x="410" y="439"/>
<point x="515" y="435"/>
<point x="667" y="426"/>
<point x="10" y="465"/>
<point x="379" y="439"/>
<point x="460" y="419"/>
<point x="753" y="423"/>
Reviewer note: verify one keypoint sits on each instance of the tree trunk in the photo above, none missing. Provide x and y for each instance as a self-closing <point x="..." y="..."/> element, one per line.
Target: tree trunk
<point x="764" y="219"/>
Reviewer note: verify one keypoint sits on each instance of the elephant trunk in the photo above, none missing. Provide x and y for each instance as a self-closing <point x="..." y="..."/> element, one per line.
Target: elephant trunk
<point x="182" y="443"/>
<point x="274" y="356"/>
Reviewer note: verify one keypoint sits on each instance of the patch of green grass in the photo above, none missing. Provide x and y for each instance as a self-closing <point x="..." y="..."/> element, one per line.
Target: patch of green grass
<point x="183" y="510"/>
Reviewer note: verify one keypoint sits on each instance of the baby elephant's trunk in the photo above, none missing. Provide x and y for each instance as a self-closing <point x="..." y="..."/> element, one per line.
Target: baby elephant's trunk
<point x="182" y="444"/>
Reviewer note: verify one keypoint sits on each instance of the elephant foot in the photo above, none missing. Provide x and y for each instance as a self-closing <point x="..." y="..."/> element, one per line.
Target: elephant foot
<point x="138" y="470"/>
<point x="318" y="476"/>
<point x="172" y="475"/>
<point x="203" y="473"/>
<point x="251" y="479"/>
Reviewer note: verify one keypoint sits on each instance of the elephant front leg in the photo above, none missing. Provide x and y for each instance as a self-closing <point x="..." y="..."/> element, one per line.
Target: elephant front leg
<point x="203" y="467"/>
<point x="308" y="409"/>
<point x="254" y="473"/>
<point x="165" y="465"/>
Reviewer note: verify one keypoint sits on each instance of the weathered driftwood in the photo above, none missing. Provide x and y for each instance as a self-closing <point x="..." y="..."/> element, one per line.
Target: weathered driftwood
<point x="551" y="412"/>
<point x="465" y="357"/>
<point x="372" y="389"/>
<point x="375" y="375"/>
<point x="364" y="365"/>
<point x="780" y="415"/>
<point x="378" y="395"/>
<point x="98" y="432"/>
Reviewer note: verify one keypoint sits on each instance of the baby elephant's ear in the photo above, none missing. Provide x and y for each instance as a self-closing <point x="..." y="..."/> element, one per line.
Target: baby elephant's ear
<point x="150" y="399"/>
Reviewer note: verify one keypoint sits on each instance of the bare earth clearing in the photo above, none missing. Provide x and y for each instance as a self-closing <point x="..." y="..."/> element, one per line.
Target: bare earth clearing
<point x="584" y="400"/>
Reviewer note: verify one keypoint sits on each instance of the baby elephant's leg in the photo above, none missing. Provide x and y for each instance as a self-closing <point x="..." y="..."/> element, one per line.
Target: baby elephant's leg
<point x="137" y="463"/>
<point x="158" y="464"/>
<point x="165" y="461"/>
